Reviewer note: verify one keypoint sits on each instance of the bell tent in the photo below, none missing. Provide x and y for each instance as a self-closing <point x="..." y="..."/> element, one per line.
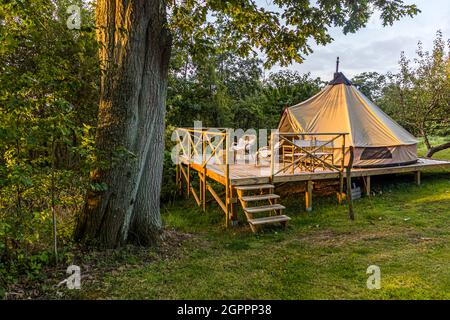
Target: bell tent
<point x="340" y="107"/>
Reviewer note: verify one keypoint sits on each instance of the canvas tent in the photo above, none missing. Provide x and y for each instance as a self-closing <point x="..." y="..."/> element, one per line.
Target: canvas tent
<point x="340" y="107"/>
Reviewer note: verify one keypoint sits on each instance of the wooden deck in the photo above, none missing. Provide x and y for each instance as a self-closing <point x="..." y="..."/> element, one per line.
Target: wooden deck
<point x="199" y="159"/>
<point x="249" y="173"/>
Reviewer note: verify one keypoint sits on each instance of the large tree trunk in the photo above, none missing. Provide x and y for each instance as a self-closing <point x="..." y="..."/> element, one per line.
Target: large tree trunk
<point x="135" y="51"/>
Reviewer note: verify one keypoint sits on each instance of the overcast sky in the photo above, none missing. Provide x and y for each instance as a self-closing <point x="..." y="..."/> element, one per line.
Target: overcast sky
<point x="377" y="48"/>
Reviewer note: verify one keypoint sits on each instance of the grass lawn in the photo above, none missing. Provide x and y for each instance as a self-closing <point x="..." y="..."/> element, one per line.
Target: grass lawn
<point x="404" y="229"/>
<point x="443" y="155"/>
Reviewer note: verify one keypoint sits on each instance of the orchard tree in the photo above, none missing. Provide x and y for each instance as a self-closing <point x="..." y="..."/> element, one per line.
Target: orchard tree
<point x="371" y="84"/>
<point x="419" y="96"/>
<point x="136" y="38"/>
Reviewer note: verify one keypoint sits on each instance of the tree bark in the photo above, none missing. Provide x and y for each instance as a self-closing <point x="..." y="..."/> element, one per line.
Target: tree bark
<point x="425" y="136"/>
<point x="134" y="53"/>
<point x="440" y="147"/>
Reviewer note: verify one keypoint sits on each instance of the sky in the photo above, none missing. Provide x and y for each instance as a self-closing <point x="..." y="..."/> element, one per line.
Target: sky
<point x="376" y="48"/>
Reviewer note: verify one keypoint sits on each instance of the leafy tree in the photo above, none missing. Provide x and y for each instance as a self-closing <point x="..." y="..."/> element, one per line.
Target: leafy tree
<point x="136" y="40"/>
<point x="286" y="88"/>
<point x="48" y="89"/>
<point x="241" y="77"/>
<point x="371" y="84"/>
<point x="419" y="96"/>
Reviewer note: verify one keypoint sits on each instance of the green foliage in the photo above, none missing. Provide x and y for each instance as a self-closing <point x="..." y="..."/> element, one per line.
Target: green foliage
<point x="223" y="90"/>
<point x="371" y="84"/>
<point x="282" y="35"/>
<point x="48" y="104"/>
<point x="286" y="88"/>
<point x="419" y="95"/>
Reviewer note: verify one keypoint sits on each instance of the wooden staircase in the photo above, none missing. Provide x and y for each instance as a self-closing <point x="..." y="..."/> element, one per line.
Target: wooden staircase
<point x="261" y="193"/>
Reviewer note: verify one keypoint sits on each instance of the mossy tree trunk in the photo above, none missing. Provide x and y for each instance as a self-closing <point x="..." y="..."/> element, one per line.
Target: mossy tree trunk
<point x="134" y="53"/>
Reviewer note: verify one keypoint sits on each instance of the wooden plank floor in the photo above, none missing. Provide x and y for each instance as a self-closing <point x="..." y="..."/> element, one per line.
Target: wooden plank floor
<point x="249" y="173"/>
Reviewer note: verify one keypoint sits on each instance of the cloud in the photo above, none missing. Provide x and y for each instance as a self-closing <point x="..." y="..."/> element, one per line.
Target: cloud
<point x="378" y="48"/>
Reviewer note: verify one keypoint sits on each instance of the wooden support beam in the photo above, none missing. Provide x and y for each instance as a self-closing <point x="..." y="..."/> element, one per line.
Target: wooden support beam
<point x="272" y="157"/>
<point x="179" y="179"/>
<point x="202" y="173"/>
<point x="228" y="186"/>
<point x="182" y="173"/>
<point x="195" y="196"/>
<point x="217" y="198"/>
<point x="188" y="179"/>
<point x="308" y="195"/>
<point x="349" y="185"/>
<point x="199" y="174"/>
<point x="417" y="177"/>
<point x="367" y="185"/>
<point x="177" y="175"/>
<point x="204" y="190"/>
<point x="233" y="206"/>
<point x="341" y="187"/>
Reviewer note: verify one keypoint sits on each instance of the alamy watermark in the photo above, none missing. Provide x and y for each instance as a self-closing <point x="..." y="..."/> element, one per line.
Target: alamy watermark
<point x="74" y="280"/>
<point x="74" y="20"/>
<point x="244" y="146"/>
<point x="374" y="280"/>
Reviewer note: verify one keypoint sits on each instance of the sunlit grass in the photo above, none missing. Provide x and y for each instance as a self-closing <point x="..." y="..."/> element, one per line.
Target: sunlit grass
<point x="404" y="229"/>
<point x="435" y="141"/>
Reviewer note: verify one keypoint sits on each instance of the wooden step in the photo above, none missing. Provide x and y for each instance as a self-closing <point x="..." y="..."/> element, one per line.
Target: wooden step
<point x="272" y="219"/>
<point x="255" y="187"/>
<point x="264" y="208"/>
<point x="259" y="197"/>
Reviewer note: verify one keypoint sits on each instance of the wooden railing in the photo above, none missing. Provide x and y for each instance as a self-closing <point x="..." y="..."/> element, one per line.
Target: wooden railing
<point x="196" y="148"/>
<point x="199" y="147"/>
<point x="308" y="154"/>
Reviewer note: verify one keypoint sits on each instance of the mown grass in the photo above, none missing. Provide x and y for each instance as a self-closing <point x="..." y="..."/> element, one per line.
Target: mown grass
<point x="404" y="229"/>
<point x="435" y="141"/>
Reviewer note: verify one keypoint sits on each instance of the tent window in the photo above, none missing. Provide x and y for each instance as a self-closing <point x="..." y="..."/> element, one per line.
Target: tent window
<point x="376" y="153"/>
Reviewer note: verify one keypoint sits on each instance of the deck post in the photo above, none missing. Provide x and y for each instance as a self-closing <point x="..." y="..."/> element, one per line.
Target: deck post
<point x="179" y="180"/>
<point x="177" y="173"/>
<point x="233" y="206"/>
<point x="177" y="164"/>
<point x="188" y="182"/>
<point x="228" y="188"/>
<point x="349" y="185"/>
<point x="203" y="183"/>
<point x="367" y="185"/>
<point x="417" y="177"/>
<point x="188" y="167"/>
<point x="341" y="174"/>
<point x="272" y="164"/>
<point x="308" y="195"/>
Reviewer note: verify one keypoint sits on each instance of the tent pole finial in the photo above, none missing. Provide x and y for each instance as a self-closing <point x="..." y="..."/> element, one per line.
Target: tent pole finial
<point x="337" y="65"/>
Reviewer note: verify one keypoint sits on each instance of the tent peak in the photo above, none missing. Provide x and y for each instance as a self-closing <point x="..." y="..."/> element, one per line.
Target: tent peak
<point x="339" y="78"/>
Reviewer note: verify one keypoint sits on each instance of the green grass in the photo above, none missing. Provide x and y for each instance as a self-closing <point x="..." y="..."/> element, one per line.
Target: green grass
<point x="404" y="229"/>
<point x="435" y="141"/>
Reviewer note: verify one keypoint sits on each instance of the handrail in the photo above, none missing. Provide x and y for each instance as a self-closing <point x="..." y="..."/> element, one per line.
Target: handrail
<point x="202" y="138"/>
<point x="308" y="153"/>
<point x="200" y="146"/>
<point x="203" y="131"/>
<point x="290" y="134"/>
